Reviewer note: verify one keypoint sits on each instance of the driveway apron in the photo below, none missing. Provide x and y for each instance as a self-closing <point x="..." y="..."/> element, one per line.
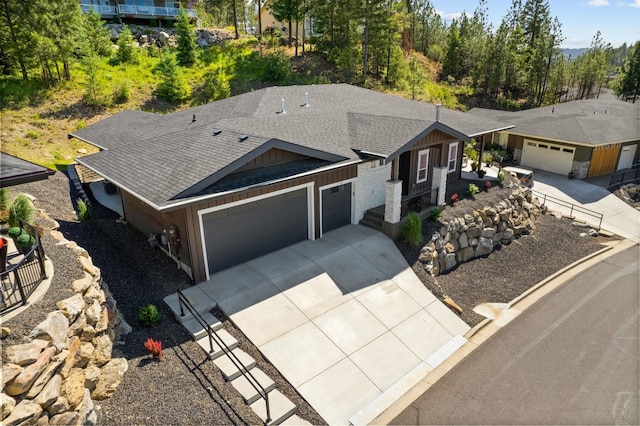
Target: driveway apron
<point x="619" y="217"/>
<point x="343" y="318"/>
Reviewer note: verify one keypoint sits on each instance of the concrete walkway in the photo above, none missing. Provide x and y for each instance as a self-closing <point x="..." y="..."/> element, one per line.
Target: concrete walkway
<point x="343" y="318"/>
<point x="619" y="217"/>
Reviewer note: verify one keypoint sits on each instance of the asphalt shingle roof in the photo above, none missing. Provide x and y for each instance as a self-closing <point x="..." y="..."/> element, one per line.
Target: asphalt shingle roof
<point x="588" y="121"/>
<point x="167" y="158"/>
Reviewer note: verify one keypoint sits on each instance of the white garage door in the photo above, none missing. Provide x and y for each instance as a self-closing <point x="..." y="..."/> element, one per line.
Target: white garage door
<point x="547" y="156"/>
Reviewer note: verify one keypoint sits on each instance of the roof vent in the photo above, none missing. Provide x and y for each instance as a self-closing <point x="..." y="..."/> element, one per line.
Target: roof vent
<point x="595" y="112"/>
<point x="553" y="109"/>
<point x="282" y="111"/>
<point x="438" y="106"/>
<point x="217" y="132"/>
<point x="194" y="118"/>
<point x="606" y="109"/>
<point x="306" y="99"/>
<point x="243" y="138"/>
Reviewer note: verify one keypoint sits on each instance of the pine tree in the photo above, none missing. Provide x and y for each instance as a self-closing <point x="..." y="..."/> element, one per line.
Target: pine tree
<point x="186" y="40"/>
<point x="173" y="87"/>
<point x="628" y="83"/>
<point x="126" y="53"/>
<point x="95" y="36"/>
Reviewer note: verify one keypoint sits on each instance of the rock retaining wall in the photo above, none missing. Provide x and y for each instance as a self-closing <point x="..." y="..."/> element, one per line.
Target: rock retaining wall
<point x="66" y="361"/>
<point x="478" y="234"/>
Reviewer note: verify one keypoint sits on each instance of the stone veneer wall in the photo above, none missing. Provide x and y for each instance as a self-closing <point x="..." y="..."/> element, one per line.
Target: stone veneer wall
<point x="474" y="235"/>
<point x="66" y="362"/>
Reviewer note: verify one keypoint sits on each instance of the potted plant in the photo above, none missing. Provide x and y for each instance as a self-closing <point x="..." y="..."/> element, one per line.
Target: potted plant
<point x="14" y="233"/>
<point x="474" y="166"/>
<point x="481" y="173"/>
<point x="25" y="243"/>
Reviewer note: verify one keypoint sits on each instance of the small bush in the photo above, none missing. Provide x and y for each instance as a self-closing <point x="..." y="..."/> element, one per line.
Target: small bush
<point x="502" y="176"/>
<point x="412" y="229"/>
<point x="33" y="134"/>
<point x="83" y="210"/>
<point x="149" y="315"/>
<point x="436" y="213"/>
<point x="81" y="124"/>
<point x="15" y="232"/>
<point x="21" y="208"/>
<point x="154" y="347"/>
<point x="121" y="93"/>
<point x="481" y="173"/>
<point x="4" y="198"/>
<point x="473" y="189"/>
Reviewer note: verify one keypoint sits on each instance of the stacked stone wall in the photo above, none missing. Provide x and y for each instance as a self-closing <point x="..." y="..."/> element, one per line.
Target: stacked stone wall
<point x="65" y="363"/>
<point x="478" y="234"/>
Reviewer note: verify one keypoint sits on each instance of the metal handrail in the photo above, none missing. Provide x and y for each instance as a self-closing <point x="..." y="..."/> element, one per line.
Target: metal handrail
<point x="626" y="176"/>
<point x="213" y="335"/>
<point x="569" y="205"/>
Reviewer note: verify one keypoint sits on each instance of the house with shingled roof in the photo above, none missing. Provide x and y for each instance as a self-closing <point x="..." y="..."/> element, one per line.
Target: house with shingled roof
<point x="244" y="176"/>
<point x="588" y="137"/>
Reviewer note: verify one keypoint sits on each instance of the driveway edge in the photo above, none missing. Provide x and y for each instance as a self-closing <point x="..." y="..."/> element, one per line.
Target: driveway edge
<point x="488" y="327"/>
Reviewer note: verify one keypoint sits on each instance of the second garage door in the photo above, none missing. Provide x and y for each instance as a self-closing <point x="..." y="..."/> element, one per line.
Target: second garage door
<point x="546" y="156"/>
<point x="336" y="207"/>
<point x="249" y="230"/>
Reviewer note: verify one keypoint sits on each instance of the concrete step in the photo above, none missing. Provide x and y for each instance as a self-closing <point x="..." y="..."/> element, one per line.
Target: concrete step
<point x="280" y="408"/>
<point x="218" y="351"/>
<point x="250" y="395"/>
<point x="371" y="225"/>
<point x="229" y="369"/>
<point x="295" y="420"/>
<point x="378" y="214"/>
<point x="199" y="299"/>
<point x="196" y="329"/>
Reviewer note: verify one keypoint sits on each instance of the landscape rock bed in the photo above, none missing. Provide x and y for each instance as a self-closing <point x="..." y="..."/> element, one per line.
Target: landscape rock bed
<point x="630" y="194"/>
<point x="510" y="269"/>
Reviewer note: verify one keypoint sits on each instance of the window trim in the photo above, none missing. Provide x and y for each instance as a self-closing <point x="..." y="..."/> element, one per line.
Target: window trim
<point x="424" y="152"/>
<point x="455" y="160"/>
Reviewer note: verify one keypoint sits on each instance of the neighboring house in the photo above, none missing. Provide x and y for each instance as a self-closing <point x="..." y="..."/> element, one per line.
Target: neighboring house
<point x="247" y="175"/>
<point x="304" y="28"/>
<point x="16" y="171"/>
<point x="588" y="137"/>
<point x="158" y="10"/>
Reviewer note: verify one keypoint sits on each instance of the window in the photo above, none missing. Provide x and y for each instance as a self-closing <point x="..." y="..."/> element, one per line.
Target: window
<point x="453" y="156"/>
<point x="423" y="165"/>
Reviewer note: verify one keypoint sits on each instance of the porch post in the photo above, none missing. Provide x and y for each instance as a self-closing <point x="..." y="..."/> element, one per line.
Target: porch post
<point x="440" y="182"/>
<point x="393" y="201"/>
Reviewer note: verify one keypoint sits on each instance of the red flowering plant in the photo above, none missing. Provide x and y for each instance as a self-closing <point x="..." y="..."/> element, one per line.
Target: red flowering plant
<point x="154" y="347"/>
<point x="454" y="199"/>
<point x="487" y="185"/>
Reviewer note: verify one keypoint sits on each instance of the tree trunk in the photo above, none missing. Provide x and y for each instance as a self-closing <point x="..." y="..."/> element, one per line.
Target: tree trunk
<point x="235" y="19"/>
<point x="7" y="13"/>
<point x="365" y="47"/>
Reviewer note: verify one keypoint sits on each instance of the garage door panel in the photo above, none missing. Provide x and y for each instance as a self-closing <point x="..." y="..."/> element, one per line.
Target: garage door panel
<point x="546" y="156"/>
<point x="336" y="207"/>
<point x="253" y="229"/>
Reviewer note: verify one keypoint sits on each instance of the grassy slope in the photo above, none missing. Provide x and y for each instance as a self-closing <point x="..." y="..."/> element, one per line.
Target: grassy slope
<point x="35" y="122"/>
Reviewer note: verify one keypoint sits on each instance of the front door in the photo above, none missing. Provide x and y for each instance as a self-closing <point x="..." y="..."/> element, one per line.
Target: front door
<point x="404" y="172"/>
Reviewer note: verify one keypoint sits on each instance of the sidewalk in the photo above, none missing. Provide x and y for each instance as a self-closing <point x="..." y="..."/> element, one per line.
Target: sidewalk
<point x="483" y="331"/>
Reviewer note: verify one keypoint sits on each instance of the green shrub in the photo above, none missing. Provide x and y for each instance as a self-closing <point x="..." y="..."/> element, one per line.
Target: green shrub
<point x="473" y="189"/>
<point x="33" y="134"/>
<point x="411" y="231"/>
<point x="436" y="213"/>
<point x="149" y="315"/>
<point x="15" y="232"/>
<point x="121" y="93"/>
<point x="502" y="176"/>
<point x="4" y="198"/>
<point x="25" y="240"/>
<point x="84" y="212"/>
<point x="481" y="173"/>
<point x="81" y="124"/>
<point x="21" y="208"/>
<point x="277" y="68"/>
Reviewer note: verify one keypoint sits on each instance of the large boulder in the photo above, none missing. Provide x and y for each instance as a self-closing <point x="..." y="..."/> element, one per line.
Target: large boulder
<point x="25" y="413"/>
<point x="93" y="312"/>
<point x="26" y="353"/>
<point x="23" y="381"/>
<point x="73" y="387"/>
<point x="60" y="405"/>
<point x="88" y="416"/>
<point x="9" y="371"/>
<point x="6" y="405"/>
<point x="65" y="419"/>
<point x="72" y="306"/>
<point x="51" y="369"/>
<point x="110" y="377"/>
<point x="81" y="285"/>
<point x="54" y="329"/>
<point x="485" y="247"/>
<point x="51" y="392"/>
<point x="104" y="347"/>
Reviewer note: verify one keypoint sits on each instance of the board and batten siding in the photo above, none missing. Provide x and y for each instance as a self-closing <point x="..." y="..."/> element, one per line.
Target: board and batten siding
<point x="437" y="142"/>
<point x="193" y="222"/>
<point x="150" y="221"/>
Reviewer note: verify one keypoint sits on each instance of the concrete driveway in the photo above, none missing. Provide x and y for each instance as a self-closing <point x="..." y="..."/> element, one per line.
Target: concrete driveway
<point x="343" y="318"/>
<point x="619" y="217"/>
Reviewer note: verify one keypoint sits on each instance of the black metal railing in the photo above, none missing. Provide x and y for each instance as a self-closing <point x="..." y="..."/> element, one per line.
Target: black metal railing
<point x="418" y="201"/>
<point x="19" y="280"/>
<point x="570" y="206"/>
<point x="214" y="337"/>
<point x="626" y="176"/>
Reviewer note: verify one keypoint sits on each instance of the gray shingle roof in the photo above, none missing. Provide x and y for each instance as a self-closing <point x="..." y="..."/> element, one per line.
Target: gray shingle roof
<point x="166" y="158"/>
<point x="588" y="121"/>
<point x="14" y="171"/>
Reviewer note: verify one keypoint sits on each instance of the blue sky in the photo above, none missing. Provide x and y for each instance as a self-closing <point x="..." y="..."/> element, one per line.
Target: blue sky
<point x="617" y="20"/>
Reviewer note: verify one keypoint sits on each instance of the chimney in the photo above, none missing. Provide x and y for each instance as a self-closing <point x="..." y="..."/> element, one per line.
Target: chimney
<point x="438" y="112"/>
<point x="282" y="111"/>
<point x="306" y="99"/>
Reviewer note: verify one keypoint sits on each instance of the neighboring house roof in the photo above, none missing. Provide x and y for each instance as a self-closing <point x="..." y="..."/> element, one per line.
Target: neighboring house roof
<point x="167" y="158"/>
<point x="15" y="171"/>
<point x="590" y="122"/>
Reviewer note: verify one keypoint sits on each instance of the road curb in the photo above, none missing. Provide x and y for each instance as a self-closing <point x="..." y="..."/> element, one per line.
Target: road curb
<point x="487" y="328"/>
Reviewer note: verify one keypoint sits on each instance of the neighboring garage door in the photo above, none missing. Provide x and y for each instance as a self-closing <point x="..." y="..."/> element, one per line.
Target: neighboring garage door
<point x="336" y="207"/>
<point x="547" y="156"/>
<point x="246" y="231"/>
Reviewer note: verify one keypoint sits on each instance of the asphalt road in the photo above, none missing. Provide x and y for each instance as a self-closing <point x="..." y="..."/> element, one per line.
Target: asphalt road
<point x="571" y="358"/>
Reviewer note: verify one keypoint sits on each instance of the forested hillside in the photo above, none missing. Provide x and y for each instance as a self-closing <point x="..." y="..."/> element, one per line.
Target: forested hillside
<point x="62" y="69"/>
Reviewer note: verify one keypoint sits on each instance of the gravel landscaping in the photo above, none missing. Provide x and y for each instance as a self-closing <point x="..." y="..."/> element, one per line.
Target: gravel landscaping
<point x="185" y="387"/>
